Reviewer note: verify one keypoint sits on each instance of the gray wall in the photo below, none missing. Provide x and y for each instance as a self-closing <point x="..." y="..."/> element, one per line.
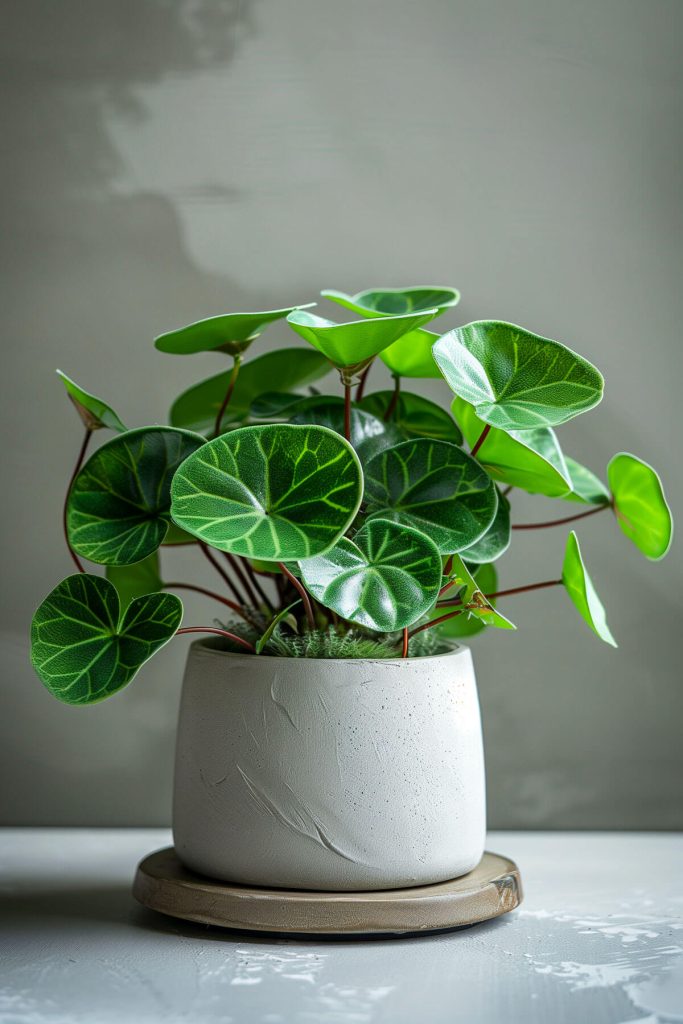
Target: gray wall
<point x="165" y="161"/>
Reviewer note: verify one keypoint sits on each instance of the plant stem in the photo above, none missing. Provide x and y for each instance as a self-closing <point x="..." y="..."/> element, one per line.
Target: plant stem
<point x="174" y="585"/>
<point x="223" y="574"/>
<point x="480" y="440"/>
<point x="361" y="382"/>
<point x="347" y="412"/>
<point x="251" y="572"/>
<point x="523" y="590"/>
<point x="220" y="632"/>
<point x="79" y="463"/>
<point x="391" y="408"/>
<point x="235" y="565"/>
<point x="300" y="589"/>
<point x="510" y="487"/>
<point x="228" y="394"/>
<point x="406" y="637"/>
<point x="435" y="622"/>
<point x="560" y="522"/>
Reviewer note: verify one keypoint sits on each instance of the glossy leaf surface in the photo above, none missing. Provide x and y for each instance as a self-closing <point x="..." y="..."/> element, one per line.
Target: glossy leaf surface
<point x="496" y="540"/>
<point x="119" y="506"/>
<point x="579" y="586"/>
<point x="476" y="606"/>
<point x="466" y="625"/>
<point x="586" y="486"/>
<point x="286" y="368"/>
<point x="386" y="578"/>
<point x="414" y="416"/>
<point x="640" y="505"/>
<point x="369" y="434"/>
<point x="135" y="580"/>
<point x="411" y="356"/>
<point x="516" y="380"/>
<point x="436" y="488"/>
<point x="276" y="492"/>
<point x="231" y="332"/>
<point x="529" y="459"/>
<point x="396" y="301"/>
<point x="94" y="413"/>
<point x="84" y="650"/>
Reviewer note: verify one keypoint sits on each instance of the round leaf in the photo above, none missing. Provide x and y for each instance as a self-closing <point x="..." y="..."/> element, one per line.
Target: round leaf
<point x="579" y="586"/>
<point x="386" y="578"/>
<point x="136" y="580"/>
<point x="529" y="459"/>
<point x="231" y="332"/>
<point x="396" y="301"/>
<point x="94" y="413"/>
<point x="119" y="506"/>
<point x="293" y="368"/>
<point x="434" y="487"/>
<point x="411" y="355"/>
<point x="586" y="486"/>
<point x="516" y="380"/>
<point x="278" y="492"/>
<point x="414" y="416"/>
<point x="81" y="647"/>
<point x="368" y="434"/>
<point x="496" y="540"/>
<point x="352" y="345"/>
<point x="640" y="505"/>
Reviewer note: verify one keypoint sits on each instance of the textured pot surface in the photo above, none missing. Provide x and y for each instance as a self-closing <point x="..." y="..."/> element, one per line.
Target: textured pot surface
<point x="338" y="775"/>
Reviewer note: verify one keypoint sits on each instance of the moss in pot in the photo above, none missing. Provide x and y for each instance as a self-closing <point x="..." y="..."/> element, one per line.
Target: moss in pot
<point x="329" y="732"/>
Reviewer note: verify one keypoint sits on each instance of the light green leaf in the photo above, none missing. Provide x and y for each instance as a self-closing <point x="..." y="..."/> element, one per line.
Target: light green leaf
<point x="273" y="624"/>
<point x="396" y="301"/>
<point x="136" y="580"/>
<point x="84" y="650"/>
<point x="579" y="586"/>
<point x="386" y="578"/>
<point x="467" y="624"/>
<point x="411" y="356"/>
<point x="436" y="488"/>
<point x="351" y="346"/>
<point x="496" y="540"/>
<point x="529" y="459"/>
<point x="278" y="492"/>
<point x="516" y="380"/>
<point x="289" y="368"/>
<point x="474" y="602"/>
<point x="94" y="413"/>
<point x="414" y="416"/>
<point x="119" y="506"/>
<point x="586" y="486"/>
<point x="231" y="332"/>
<point x="640" y="505"/>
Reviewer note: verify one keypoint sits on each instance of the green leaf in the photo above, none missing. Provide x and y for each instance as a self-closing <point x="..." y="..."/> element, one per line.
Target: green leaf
<point x="94" y="413"/>
<point x="411" y="355"/>
<point x="289" y="368"/>
<point x="396" y="301"/>
<point x="351" y="346"/>
<point x="273" y="624"/>
<point x="278" y="492"/>
<point x="467" y="624"/>
<point x="476" y="606"/>
<point x="177" y="537"/>
<point x="434" y="487"/>
<point x="514" y="379"/>
<point x="586" y="486"/>
<point x="119" y="506"/>
<point x="84" y="650"/>
<point x="368" y="434"/>
<point x="136" y="580"/>
<point x="496" y="540"/>
<point x="414" y="416"/>
<point x="579" y="586"/>
<point x="231" y="332"/>
<point x="386" y="578"/>
<point x="640" y="505"/>
<point x="529" y="459"/>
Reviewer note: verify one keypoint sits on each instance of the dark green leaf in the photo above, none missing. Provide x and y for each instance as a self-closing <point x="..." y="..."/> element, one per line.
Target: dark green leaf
<point x="496" y="540"/>
<point x="288" y="368"/>
<point x="586" y="486"/>
<point x="368" y="434"/>
<point x="119" y="506"/>
<point x="396" y="301"/>
<point x="579" y="586"/>
<point x="276" y="492"/>
<point x="640" y="505"/>
<point x="386" y="578"/>
<point x="136" y="580"/>
<point x="94" y="413"/>
<point x="514" y="379"/>
<point x="231" y="332"/>
<point x="434" y="487"/>
<point x="414" y="416"/>
<point x="84" y="650"/>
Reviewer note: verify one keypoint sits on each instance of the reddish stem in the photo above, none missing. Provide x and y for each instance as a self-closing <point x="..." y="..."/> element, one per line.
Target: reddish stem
<point x="480" y="440"/>
<point x="207" y="593"/>
<point x="523" y="590"/>
<point x="79" y="463"/>
<point x="303" y="594"/>
<point x="406" y="637"/>
<point x="235" y="565"/>
<point x="361" y="383"/>
<point x="223" y="574"/>
<point x="560" y="522"/>
<point x="220" y="632"/>
<point x="347" y="412"/>
<point x="435" y="622"/>
<point x="391" y="408"/>
<point x="228" y="394"/>
<point x="510" y="487"/>
<point x="251" y="572"/>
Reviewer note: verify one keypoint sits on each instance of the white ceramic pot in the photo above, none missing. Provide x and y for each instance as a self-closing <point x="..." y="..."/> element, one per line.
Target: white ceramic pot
<point x="335" y="775"/>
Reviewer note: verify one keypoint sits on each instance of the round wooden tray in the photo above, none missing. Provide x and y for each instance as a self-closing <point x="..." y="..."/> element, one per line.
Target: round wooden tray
<point x="491" y="889"/>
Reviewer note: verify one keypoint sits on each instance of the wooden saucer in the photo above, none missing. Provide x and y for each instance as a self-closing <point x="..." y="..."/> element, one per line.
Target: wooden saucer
<point x="491" y="889"/>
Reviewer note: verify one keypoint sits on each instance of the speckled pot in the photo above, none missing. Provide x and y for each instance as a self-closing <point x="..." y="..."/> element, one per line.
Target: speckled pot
<point x="334" y="775"/>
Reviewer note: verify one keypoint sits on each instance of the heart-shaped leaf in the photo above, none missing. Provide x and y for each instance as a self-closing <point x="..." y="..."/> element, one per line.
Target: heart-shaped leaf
<point x="278" y="492"/>
<point x="496" y="540"/>
<point x="579" y="586"/>
<point x="469" y="590"/>
<point x="136" y="580"/>
<point x="94" y="413"/>
<point x="231" y="332"/>
<point x="529" y="459"/>
<point x="516" y="380"/>
<point x="386" y="578"/>
<point x="414" y="415"/>
<point x="351" y="346"/>
<point x="84" y="650"/>
<point x="396" y="301"/>
<point x="289" y="368"/>
<point x="119" y="506"/>
<point x="436" y="488"/>
<point x="467" y="624"/>
<point x="586" y="486"/>
<point x="640" y="505"/>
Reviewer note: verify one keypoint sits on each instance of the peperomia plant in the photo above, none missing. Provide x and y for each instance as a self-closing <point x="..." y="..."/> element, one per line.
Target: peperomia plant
<point x="362" y="526"/>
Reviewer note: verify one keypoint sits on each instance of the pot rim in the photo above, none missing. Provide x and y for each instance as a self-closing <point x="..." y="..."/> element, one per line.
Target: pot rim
<point x="209" y="646"/>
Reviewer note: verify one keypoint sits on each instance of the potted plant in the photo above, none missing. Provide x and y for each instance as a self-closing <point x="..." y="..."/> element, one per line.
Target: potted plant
<point x="329" y="732"/>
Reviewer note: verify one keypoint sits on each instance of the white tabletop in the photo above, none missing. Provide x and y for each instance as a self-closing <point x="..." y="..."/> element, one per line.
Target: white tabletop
<point x="598" y="940"/>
